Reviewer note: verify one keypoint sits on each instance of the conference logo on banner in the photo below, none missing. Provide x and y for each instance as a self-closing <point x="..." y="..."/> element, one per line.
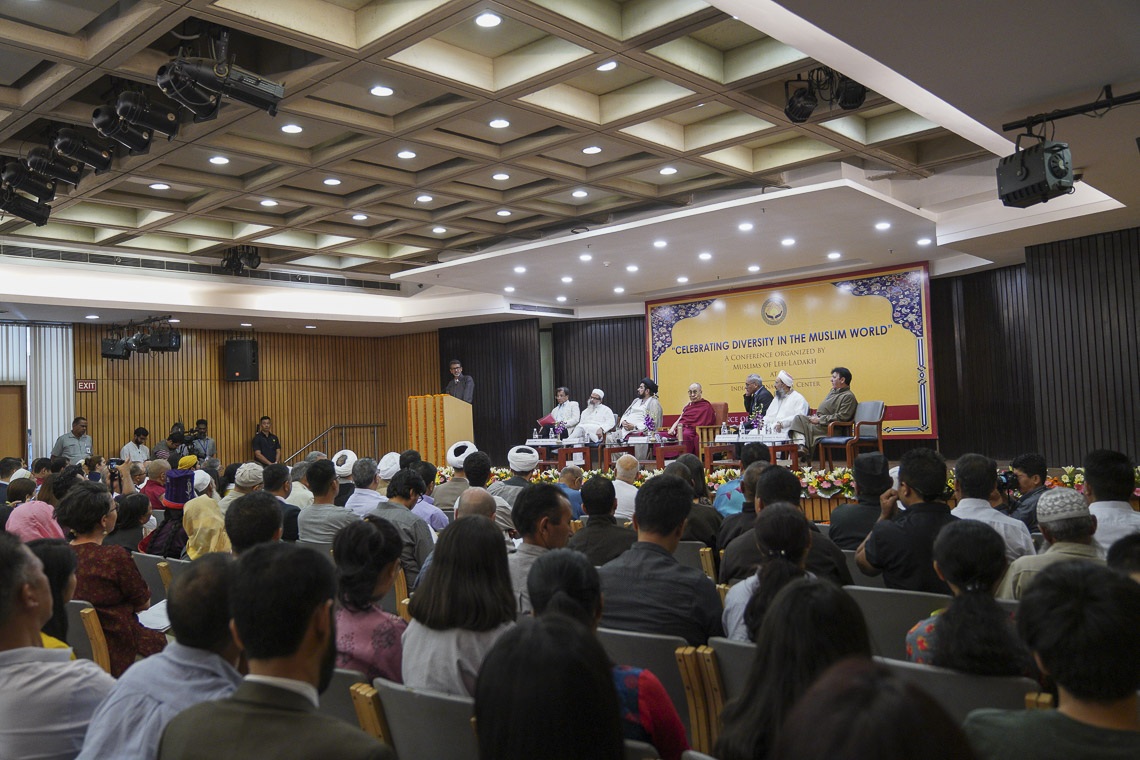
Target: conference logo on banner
<point x="877" y="324"/>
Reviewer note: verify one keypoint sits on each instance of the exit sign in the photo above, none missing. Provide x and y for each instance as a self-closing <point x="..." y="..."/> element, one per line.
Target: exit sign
<point x="86" y="386"/>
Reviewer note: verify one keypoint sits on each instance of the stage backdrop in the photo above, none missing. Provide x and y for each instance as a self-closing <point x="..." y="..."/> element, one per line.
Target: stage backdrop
<point x="877" y="324"/>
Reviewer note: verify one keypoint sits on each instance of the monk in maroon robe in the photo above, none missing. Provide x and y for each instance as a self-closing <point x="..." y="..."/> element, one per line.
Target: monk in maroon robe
<point x="697" y="412"/>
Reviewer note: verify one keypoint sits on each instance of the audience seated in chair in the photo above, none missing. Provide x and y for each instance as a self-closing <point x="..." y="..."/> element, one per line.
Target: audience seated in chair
<point x="473" y="501"/>
<point x="1110" y="481"/>
<point x="811" y="625"/>
<point x="851" y="522"/>
<point x="1079" y="620"/>
<point x="403" y="491"/>
<point x="1124" y="556"/>
<point x="320" y="522"/>
<point x="730" y="499"/>
<point x="199" y="666"/>
<point x="368" y="639"/>
<point x="546" y="690"/>
<point x="626" y="470"/>
<point x="281" y="601"/>
<point x="204" y="522"/>
<point x="46" y="698"/>
<point x="564" y="582"/>
<point x="975" y="484"/>
<point x="570" y="482"/>
<point x="59" y="566"/>
<point x="646" y="588"/>
<point x="858" y="709"/>
<point x="602" y="539"/>
<point x="974" y="634"/>
<point x="703" y="522"/>
<point x="253" y="519"/>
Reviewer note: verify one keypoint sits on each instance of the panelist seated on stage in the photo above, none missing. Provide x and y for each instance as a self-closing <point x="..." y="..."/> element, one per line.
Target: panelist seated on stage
<point x="565" y="413"/>
<point x="645" y="407"/>
<point x="838" y="406"/>
<point x="786" y="405"/>
<point x="697" y="412"/>
<point x="756" y="395"/>
<point x="597" y="420"/>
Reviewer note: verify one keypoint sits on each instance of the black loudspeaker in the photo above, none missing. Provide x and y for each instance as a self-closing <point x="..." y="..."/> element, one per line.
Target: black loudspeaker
<point x="241" y="361"/>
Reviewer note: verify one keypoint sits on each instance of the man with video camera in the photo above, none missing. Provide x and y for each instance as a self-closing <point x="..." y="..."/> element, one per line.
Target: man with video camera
<point x="1031" y="473"/>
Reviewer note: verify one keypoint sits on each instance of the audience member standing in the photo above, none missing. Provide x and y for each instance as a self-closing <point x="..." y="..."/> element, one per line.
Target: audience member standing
<point x="266" y="444"/>
<point x="136" y="450"/>
<point x="76" y="445"/>
<point x="460" y="385"/>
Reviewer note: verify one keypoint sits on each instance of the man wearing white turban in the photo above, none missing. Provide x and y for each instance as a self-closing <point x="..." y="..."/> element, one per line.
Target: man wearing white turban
<point x="786" y="404"/>
<point x="596" y="421"/>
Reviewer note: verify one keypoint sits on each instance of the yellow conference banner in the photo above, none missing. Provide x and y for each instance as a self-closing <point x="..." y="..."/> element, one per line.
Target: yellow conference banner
<point x="877" y="324"/>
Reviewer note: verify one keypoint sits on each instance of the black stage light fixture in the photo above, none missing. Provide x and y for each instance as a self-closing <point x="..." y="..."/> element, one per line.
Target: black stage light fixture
<point x="137" y="110"/>
<point x="139" y="342"/>
<point x="71" y="144"/>
<point x="849" y="94"/>
<point x="110" y="125"/>
<point x="42" y="161"/>
<point x="19" y="176"/>
<point x="15" y="204"/>
<point x="250" y="256"/>
<point x="179" y="86"/>
<point x="115" y="348"/>
<point x="199" y="83"/>
<point x="1036" y="174"/>
<point x="800" y="103"/>
<point x="165" y="340"/>
<point x="232" y="261"/>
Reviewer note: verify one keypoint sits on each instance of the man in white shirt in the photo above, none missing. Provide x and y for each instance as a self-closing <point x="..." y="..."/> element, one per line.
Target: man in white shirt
<point x="625" y="473"/>
<point x="975" y="478"/>
<point x="634" y="420"/>
<point x="1110" y="479"/>
<point x="366" y="478"/>
<point x="136" y="450"/>
<point x="596" y="421"/>
<point x="565" y="412"/>
<point x="786" y="404"/>
<point x="46" y="698"/>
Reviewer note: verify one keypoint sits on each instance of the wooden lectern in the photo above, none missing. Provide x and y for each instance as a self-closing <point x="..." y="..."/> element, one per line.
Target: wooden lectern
<point x="435" y="422"/>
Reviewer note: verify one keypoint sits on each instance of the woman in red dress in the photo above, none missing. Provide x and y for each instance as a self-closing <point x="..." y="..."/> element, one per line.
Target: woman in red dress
<point x="106" y="576"/>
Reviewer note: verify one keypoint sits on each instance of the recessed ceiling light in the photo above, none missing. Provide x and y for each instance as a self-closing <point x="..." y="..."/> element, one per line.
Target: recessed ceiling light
<point x="591" y="150"/>
<point x="488" y="20"/>
<point x="834" y="255"/>
<point x="659" y="244"/>
<point x="247" y="324"/>
<point x="424" y="199"/>
<point x="705" y="256"/>
<point x="744" y="226"/>
<point x="381" y="91"/>
<point x="561" y="299"/>
<point x="498" y="124"/>
<point x="920" y="241"/>
<point x="439" y="230"/>
<point x="406" y="154"/>
<point x="292" y="129"/>
<point x="682" y="280"/>
<point x="585" y="257"/>
<point x="503" y="212"/>
<point x="164" y="186"/>
<point x="268" y="203"/>
<point x="883" y="226"/>
<point x="667" y="170"/>
<point x="508" y="289"/>
<point x="500" y="177"/>
<point x="579" y="193"/>
<point x="754" y="268"/>
<point x="619" y="289"/>
<point x="608" y="66"/>
<point x="310" y="327"/>
<point x="360" y="217"/>
<point x="332" y="182"/>
<point x="631" y="268"/>
<point x="567" y="279"/>
<point x="219" y="160"/>
<point x="788" y="241"/>
<point x="174" y="321"/>
<point x="92" y="316"/>
<point x="520" y="270"/>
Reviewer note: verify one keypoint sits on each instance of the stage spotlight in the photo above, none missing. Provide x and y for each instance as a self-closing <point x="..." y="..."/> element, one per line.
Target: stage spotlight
<point x="108" y="124"/>
<point x="849" y="94"/>
<point x="251" y="257"/>
<point x="135" y="109"/>
<point x="177" y="85"/>
<point x="115" y="348"/>
<point x="800" y="103"/>
<point x="166" y="340"/>
<point x="15" y="204"/>
<point x="41" y="161"/>
<point x="19" y="176"/>
<point x="195" y="79"/>
<point x="139" y="343"/>
<point x="71" y="144"/>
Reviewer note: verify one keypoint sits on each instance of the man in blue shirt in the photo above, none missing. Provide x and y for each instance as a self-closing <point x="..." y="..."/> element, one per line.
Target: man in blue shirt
<point x="729" y="498"/>
<point x="570" y="481"/>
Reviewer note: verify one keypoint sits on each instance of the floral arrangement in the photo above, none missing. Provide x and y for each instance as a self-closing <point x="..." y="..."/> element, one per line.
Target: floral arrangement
<point x="718" y="478"/>
<point x="1074" y="477"/>
<point x="756" y="419"/>
<point x="840" y="481"/>
<point x="650" y="424"/>
<point x="559" y="429"/>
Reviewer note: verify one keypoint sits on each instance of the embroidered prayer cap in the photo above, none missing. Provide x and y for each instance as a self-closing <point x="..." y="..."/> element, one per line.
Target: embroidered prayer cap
<point x="522" y="458"/>
<point x="343" y="461"/>
<point x="179" y="488"/>
<point x="459" y="452"/>
<point x="648" y="383"/>
<point x="388" y="466"/>
<point x="1061" y="504"/>
<point x="599" y="393"/>
<point x="785" y="378"/>
<point x="188" y="462"/>
<point x="248" y="475"/>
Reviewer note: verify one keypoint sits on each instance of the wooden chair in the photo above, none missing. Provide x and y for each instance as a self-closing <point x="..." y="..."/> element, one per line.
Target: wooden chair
<point x="689" y="553"/>
<point x="890" y="613"/>
<point x="403" y="611"/>
<point x="576" y="525"/>
<point x="722" y="589"/>
<point x="369" y="713"/>
<point x="865" y="431"/>
<point x="692" y="676"/>
<point x="710" y="452"/>
<point x="419" y="723"/>
<point x="565" y="453"/>
<point x="544" y="457"/>
<point x="654" y="652"/>
<point x="337" y="701"/>
<point x="667" y="450"/>
<point x="708" y="564"/>
<point x="858" y="577"/>
<point x="390" y="601"/>
<point x="725" y="666"/>
<point x="85" y="634"/>
<point x="168" y="569"/>
<point x="148" y="567"/>
<point x="959" y="693"/>
<point x="610" y="455"/>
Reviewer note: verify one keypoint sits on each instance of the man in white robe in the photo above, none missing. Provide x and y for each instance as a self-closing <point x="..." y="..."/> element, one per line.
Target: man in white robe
<point x="595" y="422"/>
<point x="786" y="404"/>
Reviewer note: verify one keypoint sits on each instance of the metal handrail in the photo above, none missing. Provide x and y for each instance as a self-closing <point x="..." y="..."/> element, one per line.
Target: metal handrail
<point x="320" y="436"/>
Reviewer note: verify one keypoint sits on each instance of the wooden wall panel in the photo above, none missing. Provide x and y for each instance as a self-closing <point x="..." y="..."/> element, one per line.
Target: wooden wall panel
<point x="503" y="358"/>
<point x="1083" y="298"/>
<point x="600" y="353"/>
<point x="307" y="383"/>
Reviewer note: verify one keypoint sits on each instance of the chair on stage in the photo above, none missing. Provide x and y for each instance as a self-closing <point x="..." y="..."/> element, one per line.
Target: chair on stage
<point x="865" y="432"/>
<point x="610" y="455"/>
<point x="667" y="451"/>
<point x="726" y="451"/>
<point x="566" y="453"/>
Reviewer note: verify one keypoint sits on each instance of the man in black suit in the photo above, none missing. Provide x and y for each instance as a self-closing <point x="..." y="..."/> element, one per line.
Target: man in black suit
<point x="755" y="392"/>
<point x="282" y="607"/>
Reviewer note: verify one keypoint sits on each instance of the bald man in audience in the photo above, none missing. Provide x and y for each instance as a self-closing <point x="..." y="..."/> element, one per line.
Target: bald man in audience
<point x="200" y="665"/>
<point x="155" y="486"/>
<point x="626" y="470"/>
<point x="282" y="602"/>
<point x="46" y="698"/>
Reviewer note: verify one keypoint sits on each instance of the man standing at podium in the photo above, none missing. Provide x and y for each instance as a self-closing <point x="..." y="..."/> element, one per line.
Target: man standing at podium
<point x="461" y="386"/>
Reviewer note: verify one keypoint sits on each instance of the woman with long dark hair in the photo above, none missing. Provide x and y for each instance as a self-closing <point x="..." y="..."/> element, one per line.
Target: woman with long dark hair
<point x="974" y="634"/>
<point x="59" y="567"/>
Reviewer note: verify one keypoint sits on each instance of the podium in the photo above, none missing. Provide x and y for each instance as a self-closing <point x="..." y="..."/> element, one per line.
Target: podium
<point x="435" y="422"/>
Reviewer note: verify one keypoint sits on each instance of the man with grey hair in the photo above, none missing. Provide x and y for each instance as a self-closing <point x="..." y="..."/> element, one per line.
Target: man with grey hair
<point x="625" y="473"/>
<point x="300" y="496"/>
<point x="597" y="420"/>
<point x="756" y="395"/>
<point x="313" y="456"/>
<point x="366" y="478"/>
